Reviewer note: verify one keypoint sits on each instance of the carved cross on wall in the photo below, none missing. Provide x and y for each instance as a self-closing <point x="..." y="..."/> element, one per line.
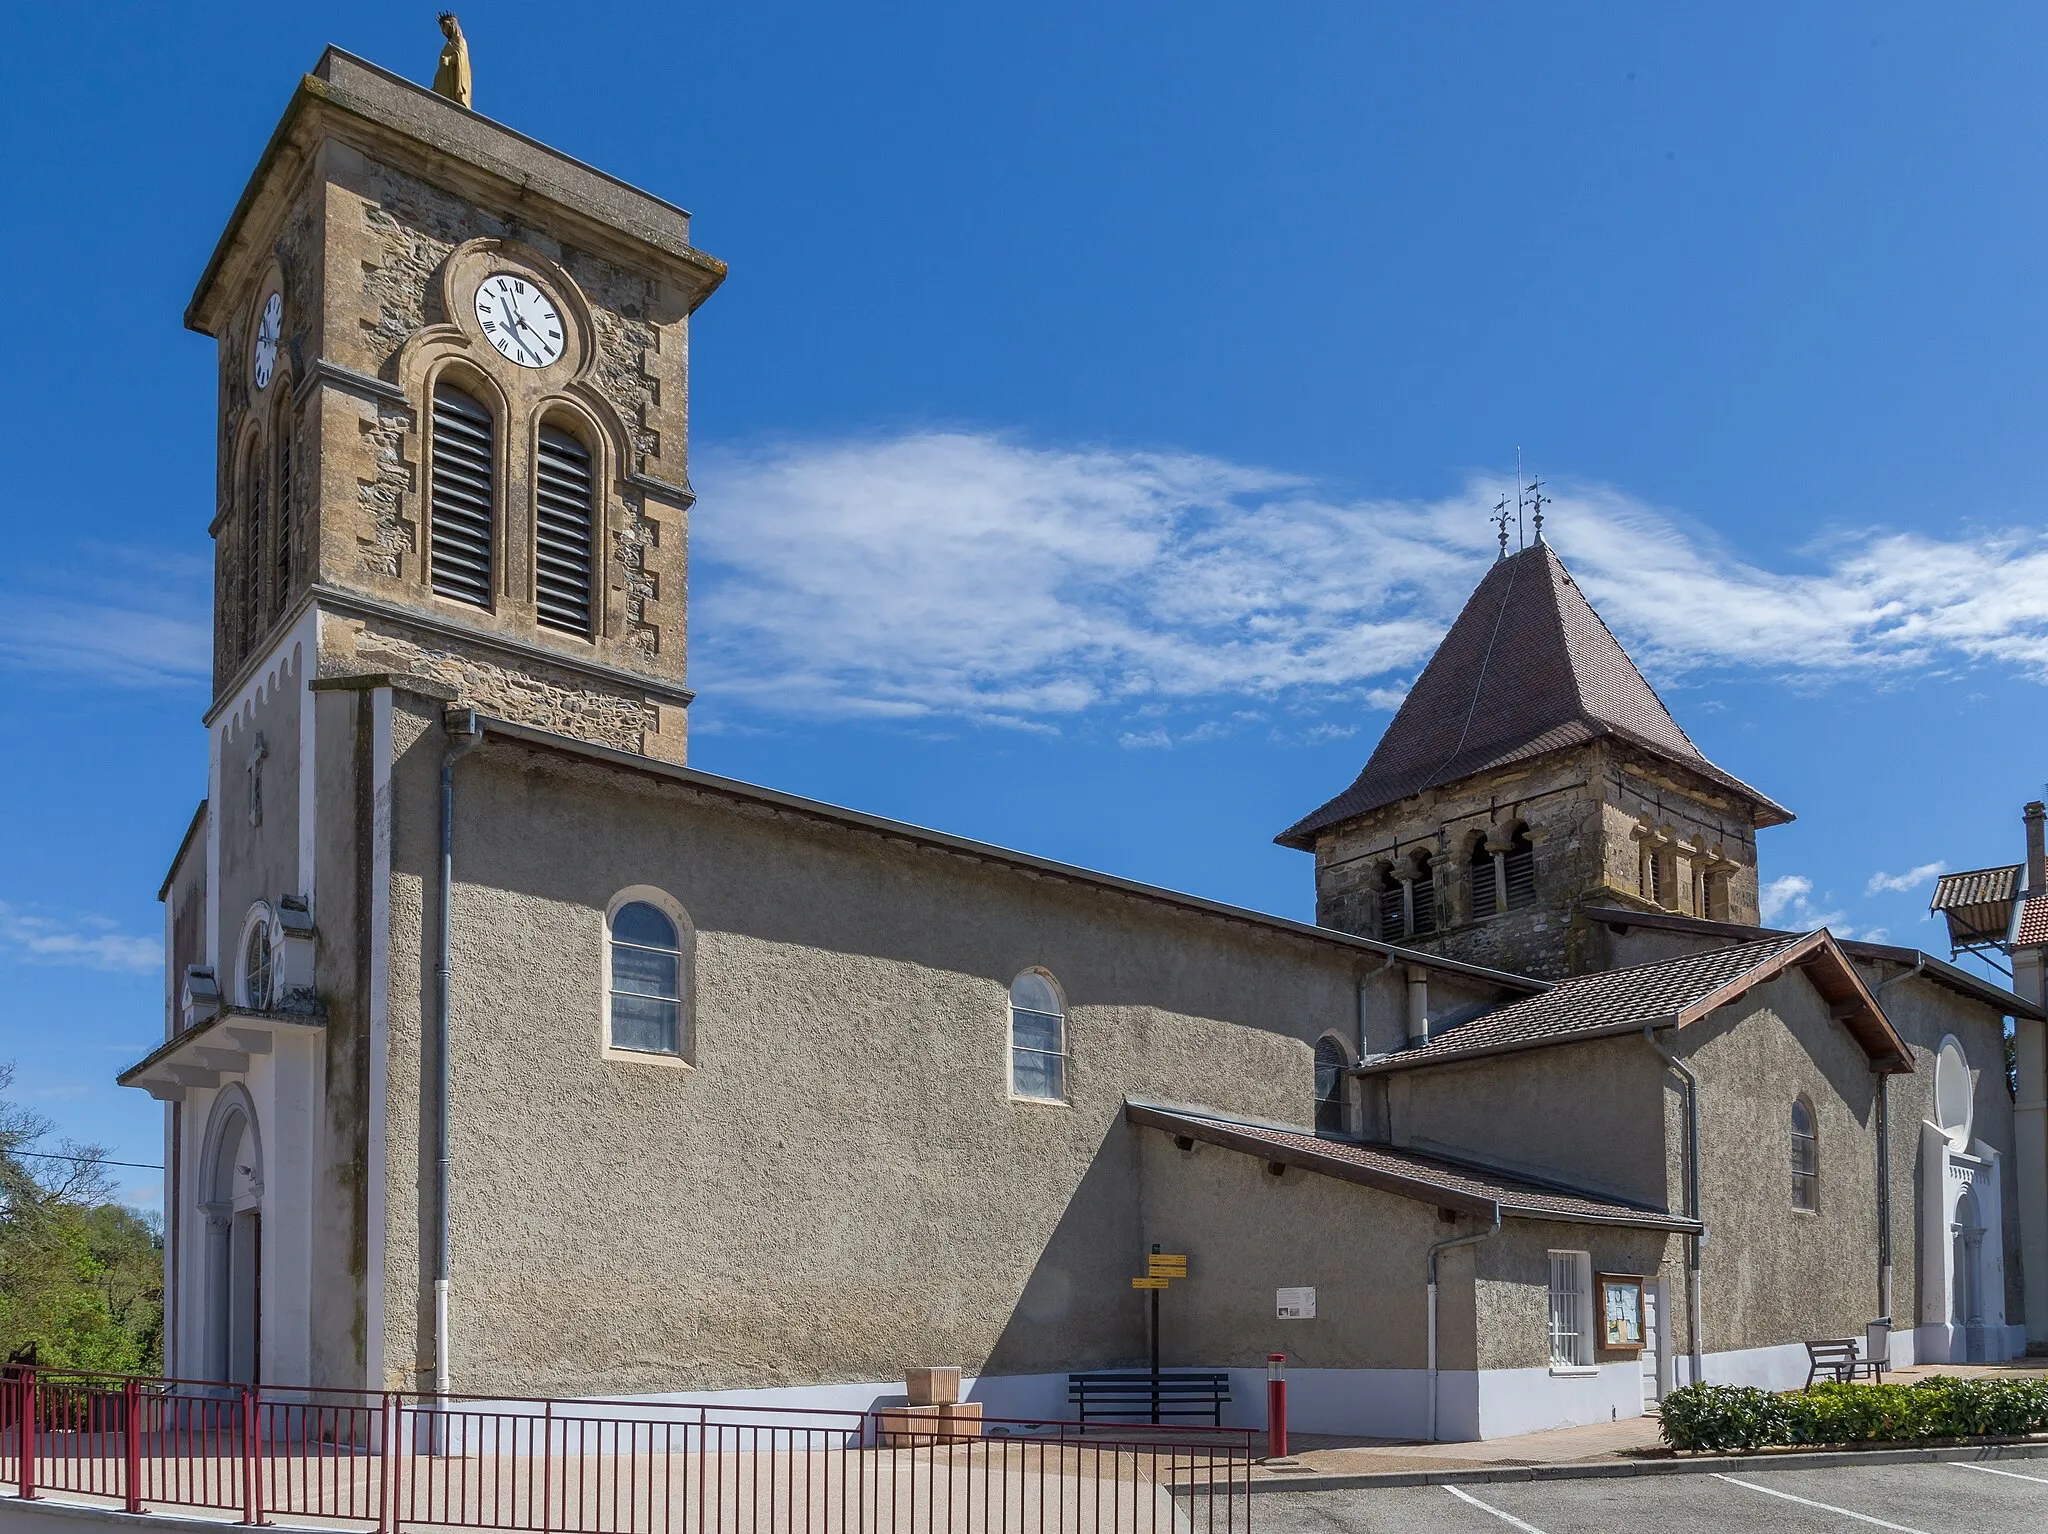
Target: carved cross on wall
<point x="258" y="749"/>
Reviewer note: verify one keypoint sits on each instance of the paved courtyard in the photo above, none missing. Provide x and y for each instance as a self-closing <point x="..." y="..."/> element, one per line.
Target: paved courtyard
<point x="1939" y="1498"/>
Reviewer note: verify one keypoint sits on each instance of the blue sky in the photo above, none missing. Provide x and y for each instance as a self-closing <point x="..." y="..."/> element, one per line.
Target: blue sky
<point x="1098" y="425"/>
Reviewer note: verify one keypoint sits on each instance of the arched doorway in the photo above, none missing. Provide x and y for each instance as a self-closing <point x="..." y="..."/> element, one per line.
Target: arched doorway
<point x="1968" y="1282"/>
<point x="231" y="1198"/>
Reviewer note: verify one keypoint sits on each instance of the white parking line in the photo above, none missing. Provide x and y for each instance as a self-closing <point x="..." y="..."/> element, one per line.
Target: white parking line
<point x="1826" y="1507"/>
<point x="1509" y="1518"/>
<point x="1963" y="1464"/>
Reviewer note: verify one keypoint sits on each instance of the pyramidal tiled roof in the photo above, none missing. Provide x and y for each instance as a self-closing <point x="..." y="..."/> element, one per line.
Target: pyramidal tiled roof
<point x="1527" y="668"/>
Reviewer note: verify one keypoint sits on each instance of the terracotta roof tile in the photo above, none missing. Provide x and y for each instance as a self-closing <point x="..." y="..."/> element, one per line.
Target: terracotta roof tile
<point x="1976" y="886"/>
<point x="2032" y="928"/>
<point x="1608" y="1001"/>
<point x="1528" y="667"/>
<point x="1431" y="1179"/>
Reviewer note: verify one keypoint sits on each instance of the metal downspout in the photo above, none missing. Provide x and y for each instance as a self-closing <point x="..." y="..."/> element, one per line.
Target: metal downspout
<point x="465" y="733"/>
<point x="1692" y="1200"/>
<point x="1884" y="1158"/>
<point x="1470" y="1239"/>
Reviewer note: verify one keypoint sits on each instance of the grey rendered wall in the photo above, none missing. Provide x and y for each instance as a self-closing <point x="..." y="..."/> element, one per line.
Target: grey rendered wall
<point x="1247" y="1232"/>
<point x="342" y="850"/>
<point x="1589" y="1114"/>
<point x="258" y="862"/>
<point x="1772" y="1274"/>
<point x="1924" y="1014"/>
<point x="840" y="1185"/>
<point x="1511" y="1283"/>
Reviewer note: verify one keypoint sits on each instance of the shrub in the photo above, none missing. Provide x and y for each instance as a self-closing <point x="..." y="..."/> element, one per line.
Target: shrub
<point x="1720" y="1417"/>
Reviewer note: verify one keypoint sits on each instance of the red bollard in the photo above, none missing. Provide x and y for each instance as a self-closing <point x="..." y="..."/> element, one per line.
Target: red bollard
<point x="1276" y="1406"/>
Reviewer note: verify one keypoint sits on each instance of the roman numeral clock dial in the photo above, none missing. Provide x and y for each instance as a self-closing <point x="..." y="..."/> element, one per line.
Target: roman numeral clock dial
<point x="519" y="320"/>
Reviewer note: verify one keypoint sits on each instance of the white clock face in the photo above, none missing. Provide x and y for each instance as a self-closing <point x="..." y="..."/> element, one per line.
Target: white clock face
<point x="519" y="320"/>
<point x="269" y="326"/>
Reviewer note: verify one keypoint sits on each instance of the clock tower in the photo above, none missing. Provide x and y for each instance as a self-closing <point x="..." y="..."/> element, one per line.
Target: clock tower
<point x="453" y="424"/>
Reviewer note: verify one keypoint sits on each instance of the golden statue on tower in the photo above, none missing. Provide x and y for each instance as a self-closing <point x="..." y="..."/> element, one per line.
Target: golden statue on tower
<point x="452" y="78"/>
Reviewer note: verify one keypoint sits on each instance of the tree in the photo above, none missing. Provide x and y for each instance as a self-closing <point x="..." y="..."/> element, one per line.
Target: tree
<point x="80" y="1275"/>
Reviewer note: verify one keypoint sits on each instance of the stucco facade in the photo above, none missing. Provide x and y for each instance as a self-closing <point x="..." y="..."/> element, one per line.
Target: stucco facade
<point x="833" y="1164"/>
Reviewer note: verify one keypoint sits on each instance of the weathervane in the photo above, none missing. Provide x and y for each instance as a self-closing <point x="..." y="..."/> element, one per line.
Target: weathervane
<point x="1500" y="521"/>
<point x="1536" y="503"/>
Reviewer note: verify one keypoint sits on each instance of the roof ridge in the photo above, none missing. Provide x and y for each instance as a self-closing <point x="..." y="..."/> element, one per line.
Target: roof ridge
<point x="1573" y="658"/>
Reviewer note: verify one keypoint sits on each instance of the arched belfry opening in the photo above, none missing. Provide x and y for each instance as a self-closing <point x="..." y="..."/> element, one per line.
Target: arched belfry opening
<point x="231" y="1200"/>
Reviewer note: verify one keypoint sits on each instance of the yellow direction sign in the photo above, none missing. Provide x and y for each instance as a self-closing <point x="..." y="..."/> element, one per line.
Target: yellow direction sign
<point x="1167" y="1267"/>
<point x="1148" y="1283"/>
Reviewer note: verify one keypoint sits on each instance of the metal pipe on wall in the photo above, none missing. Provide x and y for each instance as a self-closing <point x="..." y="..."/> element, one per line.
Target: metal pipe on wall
<point x="1697" y="1350"/>
<point x="465" y="733"/>
<point x="1884" y="1159"/>
<point x="1469" y="1239"/>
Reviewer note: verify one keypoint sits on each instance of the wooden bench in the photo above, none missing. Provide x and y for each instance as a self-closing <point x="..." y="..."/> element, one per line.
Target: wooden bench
<point x="1182" y="1393"/>
<point x="1837" y="1358"/>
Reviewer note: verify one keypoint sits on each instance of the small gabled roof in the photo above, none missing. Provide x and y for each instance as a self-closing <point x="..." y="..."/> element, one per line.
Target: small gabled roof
<point x="1527" y="668"/>
<point x="1977" y="905"/>
<point x="1669" y="993"/>
<point x="1936" y="971"/>
<point x="1464" y="1187"/>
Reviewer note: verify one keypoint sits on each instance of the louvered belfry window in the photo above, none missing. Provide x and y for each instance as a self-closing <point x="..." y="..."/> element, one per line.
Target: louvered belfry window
<point x="252" y="553"/>
<point x="563" y="535"/>
<point x="287" y="531"/>
<point x="462" y="495"/>
<point x="1518" y="870"/>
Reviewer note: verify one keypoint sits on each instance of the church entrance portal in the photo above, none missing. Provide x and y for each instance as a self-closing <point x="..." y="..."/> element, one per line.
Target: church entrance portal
<point x="231" y="1198"/>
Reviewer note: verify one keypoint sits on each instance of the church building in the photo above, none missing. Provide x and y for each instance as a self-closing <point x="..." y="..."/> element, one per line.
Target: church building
<point x="506" y="1053"/>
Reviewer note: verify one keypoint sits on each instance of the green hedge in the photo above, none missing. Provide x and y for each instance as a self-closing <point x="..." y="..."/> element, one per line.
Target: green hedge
<point x="1739" y="1417"/>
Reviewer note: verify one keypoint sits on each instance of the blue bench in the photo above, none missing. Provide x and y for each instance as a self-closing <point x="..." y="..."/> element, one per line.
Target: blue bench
<point x="1121" y="1394"/>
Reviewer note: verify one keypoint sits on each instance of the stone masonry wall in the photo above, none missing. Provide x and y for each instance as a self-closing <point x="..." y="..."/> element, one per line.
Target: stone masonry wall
<point x="1585" y="811"/>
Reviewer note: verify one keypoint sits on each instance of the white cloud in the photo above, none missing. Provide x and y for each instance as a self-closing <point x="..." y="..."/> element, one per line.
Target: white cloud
<point x="974" y="576"/>
<point x="146" y="625"/>
<point x="88" y="942"/>
<point x="1912" y="878"/>
<point x="1787" y="901"/>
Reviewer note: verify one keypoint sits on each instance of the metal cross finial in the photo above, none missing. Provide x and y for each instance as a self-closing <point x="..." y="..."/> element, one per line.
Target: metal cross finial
<point x="1536" y="501"/>
<point x="1500" y="521"/>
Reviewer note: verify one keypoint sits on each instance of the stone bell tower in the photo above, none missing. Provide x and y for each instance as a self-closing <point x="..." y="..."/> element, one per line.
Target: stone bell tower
<point x="1531" y="774"/>
<point x="454" y="405"/>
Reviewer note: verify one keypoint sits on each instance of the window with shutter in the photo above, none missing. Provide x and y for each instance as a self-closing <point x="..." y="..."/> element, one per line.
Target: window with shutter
<point x="1423" y="901"/>
<point x="564" y="539"/>
<point x="1392" y="926"/>
<point x="287" y="531"/>
<point x="1485" y="888"/>
<point x="252" y="552"/>
<point x="1519" y="866"/>
<point x="462" y="496"/>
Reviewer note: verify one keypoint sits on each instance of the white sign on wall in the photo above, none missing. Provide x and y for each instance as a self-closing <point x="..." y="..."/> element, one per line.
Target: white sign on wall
<point x="1295" y="1304"/>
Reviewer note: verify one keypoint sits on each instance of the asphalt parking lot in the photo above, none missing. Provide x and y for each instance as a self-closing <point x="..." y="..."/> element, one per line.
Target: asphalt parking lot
<point x="1939" y="1498"/>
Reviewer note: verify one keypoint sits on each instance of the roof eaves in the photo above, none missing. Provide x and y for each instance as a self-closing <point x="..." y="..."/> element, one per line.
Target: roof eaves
<point x="1243" y="1138"/>
<point x="987" y="852"/>
<point x="184" y="845"/>
<point x="1242" y="1135"/>
<point x="1419" y="1059"/>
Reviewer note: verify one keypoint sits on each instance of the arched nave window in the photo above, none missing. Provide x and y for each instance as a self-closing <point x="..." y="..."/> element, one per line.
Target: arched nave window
<point x="1038" y="1038"/>
<point x="1331" y="1068"/>
<point x="1805" y="1156"/>
<point x="645" y="997"/>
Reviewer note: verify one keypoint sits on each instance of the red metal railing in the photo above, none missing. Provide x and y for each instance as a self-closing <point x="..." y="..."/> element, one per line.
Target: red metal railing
<point x="396" y="1460"/>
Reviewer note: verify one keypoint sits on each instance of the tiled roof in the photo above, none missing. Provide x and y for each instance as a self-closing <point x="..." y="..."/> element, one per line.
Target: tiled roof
<point x="1527" y="668"/>
<point x="1669" y="992"/>
<point x="2032" y="927"/>
<point x="1976" y="886"/>
<point x="1935" y="971"/>
<point x="1429" y="1179"/>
